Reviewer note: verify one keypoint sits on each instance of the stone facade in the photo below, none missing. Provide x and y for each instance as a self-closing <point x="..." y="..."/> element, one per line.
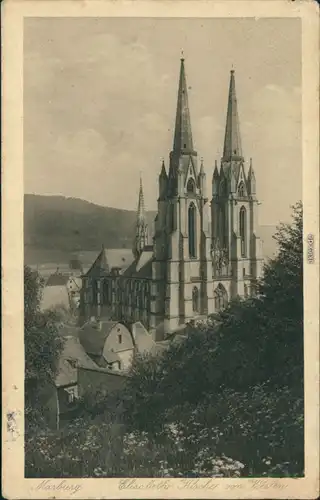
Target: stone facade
<point x="202" y="256"/>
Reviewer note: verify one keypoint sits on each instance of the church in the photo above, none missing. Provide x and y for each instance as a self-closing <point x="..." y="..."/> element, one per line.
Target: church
<point x="204" y="250"/>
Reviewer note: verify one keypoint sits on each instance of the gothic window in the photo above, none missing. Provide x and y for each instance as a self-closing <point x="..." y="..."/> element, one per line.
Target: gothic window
<point x="192" y="227"/>
<point x="241" y="190"/>
<point x="220" y="298"/>
<point x="191" y="187"/>
<point x="195" y="300"/>
<point x="243" y="230"/>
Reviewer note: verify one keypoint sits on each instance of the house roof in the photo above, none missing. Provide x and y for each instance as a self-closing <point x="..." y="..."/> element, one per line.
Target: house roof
<point x="94" y="334"/>
<point x="72" y="356"/>
<point x="142" y="338"/>
<point x="57" y="279"/>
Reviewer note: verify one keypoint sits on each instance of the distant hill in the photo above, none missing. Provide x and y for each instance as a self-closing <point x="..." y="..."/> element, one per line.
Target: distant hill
<point x="56" y="227"/>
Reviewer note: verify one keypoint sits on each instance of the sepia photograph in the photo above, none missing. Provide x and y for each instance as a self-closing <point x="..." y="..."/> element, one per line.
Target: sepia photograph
<point x="163" y="251"/>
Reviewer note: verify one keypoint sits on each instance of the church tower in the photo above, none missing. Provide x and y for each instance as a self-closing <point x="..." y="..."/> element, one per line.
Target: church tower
<point x="182" y="266"/>
<point x="236" y="247"/>
<point x="141" y="232"/>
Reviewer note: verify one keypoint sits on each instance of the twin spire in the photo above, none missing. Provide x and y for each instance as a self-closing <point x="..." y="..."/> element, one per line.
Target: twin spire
<point x="183" y="142"/>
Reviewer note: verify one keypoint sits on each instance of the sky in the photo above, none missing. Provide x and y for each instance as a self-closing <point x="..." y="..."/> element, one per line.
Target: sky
<point x="100" y="100"/>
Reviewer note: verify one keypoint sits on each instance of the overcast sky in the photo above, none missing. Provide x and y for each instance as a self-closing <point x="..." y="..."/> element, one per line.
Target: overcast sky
<point x="100" y="98"/>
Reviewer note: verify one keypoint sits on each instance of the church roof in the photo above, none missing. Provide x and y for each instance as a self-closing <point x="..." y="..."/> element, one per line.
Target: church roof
<point x="100" y="267"/>
<point x="142" y="266"/>
<point x="232" y="140"/>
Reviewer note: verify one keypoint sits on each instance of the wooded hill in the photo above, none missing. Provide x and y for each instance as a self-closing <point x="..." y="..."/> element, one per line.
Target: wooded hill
<point x="56" y="224"/>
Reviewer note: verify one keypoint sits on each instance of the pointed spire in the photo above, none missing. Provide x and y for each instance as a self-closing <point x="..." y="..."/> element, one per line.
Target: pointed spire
<point x="183" y="135"/>
<point x="232" y="141"/>
<point x="141" y="232"/>
<point x="141" y="208"/>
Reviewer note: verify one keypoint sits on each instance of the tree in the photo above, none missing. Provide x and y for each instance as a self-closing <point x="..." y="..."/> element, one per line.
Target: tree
<point x="42" y="345"/>
<point x="246" y="364"/>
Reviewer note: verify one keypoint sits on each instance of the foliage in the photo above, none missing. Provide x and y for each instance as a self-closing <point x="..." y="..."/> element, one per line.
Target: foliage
<point x="246" y="363"/>
<point x="103" y="448"/>
<point x="42" y="346"/>
<point x="226" y="401"/>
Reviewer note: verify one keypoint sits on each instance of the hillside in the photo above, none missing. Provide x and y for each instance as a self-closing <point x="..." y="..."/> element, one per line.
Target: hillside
<point x="56" y="226"/>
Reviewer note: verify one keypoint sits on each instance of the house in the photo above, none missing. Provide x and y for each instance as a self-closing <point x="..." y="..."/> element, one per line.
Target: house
<point x="108" y="343"/>
<point x="61" y="290"/>
<point x="60" y="399"/>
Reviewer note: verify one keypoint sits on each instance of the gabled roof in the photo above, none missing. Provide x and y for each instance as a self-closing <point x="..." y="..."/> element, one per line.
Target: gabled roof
<point x="94" y="334"/>
<point x="142" y="338"/>
<point x="72" y="356"/>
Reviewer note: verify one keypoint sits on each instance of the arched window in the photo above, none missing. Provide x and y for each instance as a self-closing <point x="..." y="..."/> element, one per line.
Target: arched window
<point x="192" y="226"/>
<point x="195" y="300"/>
<point x="243" y="230"/>
<point x="220" y="298"/>
<point x="191" y="187"/>
<point x="241" y="190"/>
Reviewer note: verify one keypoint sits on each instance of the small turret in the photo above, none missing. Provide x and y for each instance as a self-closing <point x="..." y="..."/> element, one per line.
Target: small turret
<point x="215" y="180"/>
<point x="202" y="180"/>
<point x="251" y="179"/>
<point x="163" y="181"/>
